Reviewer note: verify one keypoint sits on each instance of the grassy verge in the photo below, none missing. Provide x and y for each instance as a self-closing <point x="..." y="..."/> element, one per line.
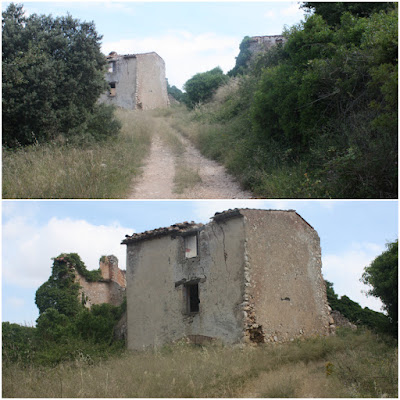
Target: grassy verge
<point x="96" y="170"/>
<point x="348" y="365"/>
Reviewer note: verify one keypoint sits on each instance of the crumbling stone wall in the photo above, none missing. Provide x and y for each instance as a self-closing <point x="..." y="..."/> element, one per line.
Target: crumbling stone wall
<point x="110" y="289"/>
<point x="258" y="44"/>
<point x="257" y="275"/>
<point x="158" y="273"/>
<point x="285" y="294"/>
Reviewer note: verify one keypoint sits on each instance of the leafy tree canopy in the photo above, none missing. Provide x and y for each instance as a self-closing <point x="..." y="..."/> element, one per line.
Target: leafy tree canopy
<point x="242" y="60"/>
<point x="202" y="86"/>
<point x="331" y="12"/>
<point x="382" y="276"/>
<point x="52" y="74"/>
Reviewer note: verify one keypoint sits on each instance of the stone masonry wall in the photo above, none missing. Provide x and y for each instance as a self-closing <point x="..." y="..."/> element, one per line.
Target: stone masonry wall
<point x="285" y="294"/>
<point x="260" y="44"/>
<point x="158" y="272"/>
<point x="111" y="289"/>
<point x="139" y="81"/>
<point x="258" y="274"/>
<point x="151" y="82"/>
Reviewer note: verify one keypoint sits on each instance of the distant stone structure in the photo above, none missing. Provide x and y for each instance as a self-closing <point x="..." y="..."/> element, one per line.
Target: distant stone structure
<point x="259" y="44"/>
<point x="137" y="81"/>
<point x="110" y="289"/>
<point x="248" y="276"/>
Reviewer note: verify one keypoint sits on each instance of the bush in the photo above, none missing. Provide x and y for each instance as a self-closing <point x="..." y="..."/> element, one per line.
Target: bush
<point x="202" y="86"/>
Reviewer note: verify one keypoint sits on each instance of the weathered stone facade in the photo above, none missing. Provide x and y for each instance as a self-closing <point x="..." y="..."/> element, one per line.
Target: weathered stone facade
<point x="258" y="44"/>
<point x="247" y="276"/>
<point x="110" y="289"/>
<point x="137" y="81"/>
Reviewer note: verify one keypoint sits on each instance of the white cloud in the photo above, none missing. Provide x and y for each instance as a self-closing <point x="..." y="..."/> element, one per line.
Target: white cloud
<point x="28" y="248"/>
<point x="345" y="269"/>
<point x="185" y="54"/>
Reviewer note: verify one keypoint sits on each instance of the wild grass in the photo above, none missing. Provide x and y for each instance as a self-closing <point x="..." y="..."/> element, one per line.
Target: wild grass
<point x="89" y="170"/>
<point x="351" y="365"/>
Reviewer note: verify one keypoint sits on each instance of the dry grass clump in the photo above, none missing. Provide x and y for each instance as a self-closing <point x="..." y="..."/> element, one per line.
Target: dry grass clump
<point x="96" y="170"/>
<point x="226" y="91"/>
<point x="355" y="365"/>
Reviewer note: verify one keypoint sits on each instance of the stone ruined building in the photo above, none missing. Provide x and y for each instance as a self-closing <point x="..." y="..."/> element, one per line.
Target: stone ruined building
<point x="260" y="44"/>
<point x="248" y="276"/>
<point x="137" y="81"/>
<point x="110" y="289"/>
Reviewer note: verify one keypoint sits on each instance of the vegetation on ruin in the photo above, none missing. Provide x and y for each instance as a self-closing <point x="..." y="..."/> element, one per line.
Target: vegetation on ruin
<point x="316" y="117"/>
<point x="65" y="329"/>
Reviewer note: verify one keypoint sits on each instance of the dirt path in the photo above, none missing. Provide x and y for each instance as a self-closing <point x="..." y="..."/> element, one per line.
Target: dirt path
<point x="157" y="179"/>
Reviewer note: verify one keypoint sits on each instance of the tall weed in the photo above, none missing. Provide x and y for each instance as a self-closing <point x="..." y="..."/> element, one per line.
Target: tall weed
<point x="86" y="170"/>
<point x="352" y="365"/>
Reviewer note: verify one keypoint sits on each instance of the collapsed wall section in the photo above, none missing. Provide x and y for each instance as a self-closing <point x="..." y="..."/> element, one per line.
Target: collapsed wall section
<point x="109" y="289"/>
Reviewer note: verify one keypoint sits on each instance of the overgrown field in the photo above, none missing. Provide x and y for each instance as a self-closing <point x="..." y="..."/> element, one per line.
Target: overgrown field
<point x="349" y="365"/>
<point x="79" y="170"/>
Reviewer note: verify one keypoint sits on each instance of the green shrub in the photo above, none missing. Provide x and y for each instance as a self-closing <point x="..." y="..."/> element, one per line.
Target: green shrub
<point x="202" y="86"/>
<point x="53" y="75"/>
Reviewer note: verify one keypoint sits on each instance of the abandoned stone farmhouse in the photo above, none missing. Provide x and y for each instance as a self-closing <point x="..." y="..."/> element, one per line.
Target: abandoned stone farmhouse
<point x="247" y="276"/>
<point x="137" y="81"/>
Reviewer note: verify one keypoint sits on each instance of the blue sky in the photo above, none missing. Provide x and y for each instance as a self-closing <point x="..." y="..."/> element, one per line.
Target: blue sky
<point x="191" y="37"/>
<point x="352" y="234"/>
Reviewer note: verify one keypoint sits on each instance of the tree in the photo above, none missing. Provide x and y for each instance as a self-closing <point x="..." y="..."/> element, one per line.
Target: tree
<point x="52" y="74"/>
<point x="176" y="93"/>
<point x="243" y="58"/>
<point x="331" y="12"/>
<point x="382" y="276"/>
<point x="202" y="86"/>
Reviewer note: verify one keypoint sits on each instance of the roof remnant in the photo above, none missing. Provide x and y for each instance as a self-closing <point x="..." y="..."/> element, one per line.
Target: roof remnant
<point x="176" y="229"/>
<point x="185" y="228"/>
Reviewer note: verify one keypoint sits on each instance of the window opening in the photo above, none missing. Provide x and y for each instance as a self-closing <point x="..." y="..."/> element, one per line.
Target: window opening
<point x="193" y="300"/>
<point x="112" y="89"/>
<point x="111" y="67"/>
<point x="191" y="246"/>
